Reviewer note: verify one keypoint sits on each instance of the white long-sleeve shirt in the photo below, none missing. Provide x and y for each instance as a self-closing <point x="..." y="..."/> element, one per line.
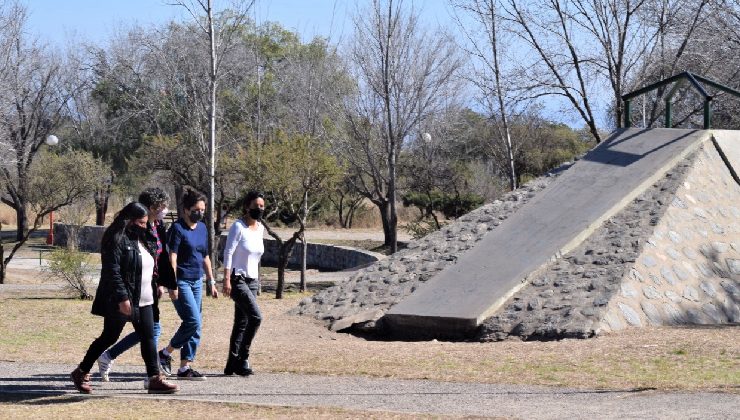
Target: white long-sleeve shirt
<point x="244" y="248"/>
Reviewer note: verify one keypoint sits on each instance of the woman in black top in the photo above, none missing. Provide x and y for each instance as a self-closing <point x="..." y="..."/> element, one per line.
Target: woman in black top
<point x="125" y="293"/>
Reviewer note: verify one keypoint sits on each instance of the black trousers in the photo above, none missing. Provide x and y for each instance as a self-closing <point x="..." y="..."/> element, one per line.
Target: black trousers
<point x="247" y="316"/>
<point x="112" y="328"/>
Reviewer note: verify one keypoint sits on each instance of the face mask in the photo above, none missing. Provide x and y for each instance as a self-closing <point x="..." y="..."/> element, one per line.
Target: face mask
<point x="162" y="213"/>
<point x="137" y="230"/>
<point x="196" y="216"/>
<point x="256" y="213"/>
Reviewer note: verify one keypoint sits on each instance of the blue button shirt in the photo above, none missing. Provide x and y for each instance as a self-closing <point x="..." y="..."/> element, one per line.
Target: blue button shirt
<point x="191" y="247"/>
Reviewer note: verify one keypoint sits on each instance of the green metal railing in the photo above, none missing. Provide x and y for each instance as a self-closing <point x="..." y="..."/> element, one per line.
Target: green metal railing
<point x="680" y="79"/>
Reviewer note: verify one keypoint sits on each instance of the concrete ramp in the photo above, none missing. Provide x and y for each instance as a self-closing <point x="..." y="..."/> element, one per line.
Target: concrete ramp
<point x="455" y="301"/>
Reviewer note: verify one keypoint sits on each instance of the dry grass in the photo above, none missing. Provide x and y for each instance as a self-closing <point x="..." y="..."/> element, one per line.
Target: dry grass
<point x="81" y="407"/>
<point x="59" y="330"/>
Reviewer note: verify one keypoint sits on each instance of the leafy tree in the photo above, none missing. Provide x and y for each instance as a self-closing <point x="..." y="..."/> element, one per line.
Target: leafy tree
<point x="58" y="180"/>
<point x="296" y="172"/>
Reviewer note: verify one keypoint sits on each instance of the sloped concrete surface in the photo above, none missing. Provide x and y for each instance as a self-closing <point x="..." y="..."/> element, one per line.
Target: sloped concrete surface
<point x="554" y="222"/>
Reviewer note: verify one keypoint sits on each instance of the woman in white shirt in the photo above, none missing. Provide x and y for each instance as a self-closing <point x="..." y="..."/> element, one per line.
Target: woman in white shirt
<point x="242" y="253"/>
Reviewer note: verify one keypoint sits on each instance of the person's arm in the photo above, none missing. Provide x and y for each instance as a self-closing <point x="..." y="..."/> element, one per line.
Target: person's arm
<point x="232" y="240"/>
<point x="209" y="276"/>
<point x="173" y="244"/>
<point x="112" y="267"/>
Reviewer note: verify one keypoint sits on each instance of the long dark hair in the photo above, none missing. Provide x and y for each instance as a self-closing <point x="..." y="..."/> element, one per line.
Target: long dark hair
<point x="112" y="235"/>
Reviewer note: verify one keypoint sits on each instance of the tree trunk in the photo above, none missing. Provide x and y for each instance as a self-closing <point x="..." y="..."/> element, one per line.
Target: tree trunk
<point x="385" y="219"/>
<point x="101" y="205"/>
<point x="282" y="264"/>
<point x="302" y="286"/>
<point x="21" y="220"/>
<point x="2" y="257"/>
<point x="212" y="143"/>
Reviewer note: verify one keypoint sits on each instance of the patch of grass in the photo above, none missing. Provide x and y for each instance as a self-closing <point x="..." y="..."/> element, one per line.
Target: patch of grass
<point x="679" y="352"/>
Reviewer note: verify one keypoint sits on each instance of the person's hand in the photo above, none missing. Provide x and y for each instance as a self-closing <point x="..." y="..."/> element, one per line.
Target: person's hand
<point x="227" y="287"/>
<point x="125" y="307"/>
<point x="214" y="291"/>
<point x="160" y="291"/>
<point x="173" y="294"/>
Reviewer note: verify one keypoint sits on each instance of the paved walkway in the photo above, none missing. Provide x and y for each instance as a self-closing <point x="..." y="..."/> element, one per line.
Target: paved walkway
<point x="403" y="396"/>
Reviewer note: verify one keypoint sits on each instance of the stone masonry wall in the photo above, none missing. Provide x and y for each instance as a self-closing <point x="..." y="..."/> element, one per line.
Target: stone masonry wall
<point x="568" y="297"/>
<point x="689" y="270"/>
<point x="365" y="296"/>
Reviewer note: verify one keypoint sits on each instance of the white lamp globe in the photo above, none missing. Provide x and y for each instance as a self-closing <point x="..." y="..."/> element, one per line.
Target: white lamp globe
<point x="52" y="140"/>
<point x="426" y="137"/>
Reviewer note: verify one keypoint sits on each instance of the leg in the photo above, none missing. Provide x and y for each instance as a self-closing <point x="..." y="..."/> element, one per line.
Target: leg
<point x="145" y="328"/>
<point x="124" y="345"/>
<point x="188" y="308"/>
<point x="247" y="310"/>
<point x="248" y="302"/>
<point x="237" y="335"/>
<point x="112" y="327"/>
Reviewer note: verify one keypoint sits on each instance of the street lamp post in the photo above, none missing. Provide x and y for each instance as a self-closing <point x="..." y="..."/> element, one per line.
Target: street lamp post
<point x="52" y="140"/>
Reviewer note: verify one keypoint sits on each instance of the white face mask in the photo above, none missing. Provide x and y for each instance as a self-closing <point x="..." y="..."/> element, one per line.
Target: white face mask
<point x="162" y="213"/>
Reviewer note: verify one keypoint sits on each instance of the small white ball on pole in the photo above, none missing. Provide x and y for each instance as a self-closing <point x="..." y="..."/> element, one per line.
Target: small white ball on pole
<point x="52" y="140"/>
<point x="426" y="137"/>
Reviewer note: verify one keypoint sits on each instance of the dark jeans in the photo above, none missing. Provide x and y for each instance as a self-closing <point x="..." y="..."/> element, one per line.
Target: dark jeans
<point x="247" y="316"/>
<point x="112" y="328"/>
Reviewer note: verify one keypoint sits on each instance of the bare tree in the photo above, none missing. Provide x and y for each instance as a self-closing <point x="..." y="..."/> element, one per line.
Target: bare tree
<point x="221" y="39"/>
<point x="33" y="100"/>
<point x="492" y="81"/>
<point x="404" y="73"/>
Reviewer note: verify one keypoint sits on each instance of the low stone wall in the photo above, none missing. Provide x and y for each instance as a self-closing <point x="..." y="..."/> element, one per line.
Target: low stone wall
<point x="320" y="256"/>
<point x="88" y="237"/>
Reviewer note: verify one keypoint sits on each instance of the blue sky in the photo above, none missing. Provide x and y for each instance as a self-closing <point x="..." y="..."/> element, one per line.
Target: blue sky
<point x="60" y="21"/>
<point x="56" y="21"/>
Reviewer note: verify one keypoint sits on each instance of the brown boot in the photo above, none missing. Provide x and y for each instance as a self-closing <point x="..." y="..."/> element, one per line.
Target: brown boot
<point x="81" y="380"/>
<point x="158" y="385"/>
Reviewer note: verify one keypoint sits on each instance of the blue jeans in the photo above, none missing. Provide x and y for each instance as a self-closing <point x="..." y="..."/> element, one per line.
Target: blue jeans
<point x="124" y="344"/>
<point x="188" y="307"/>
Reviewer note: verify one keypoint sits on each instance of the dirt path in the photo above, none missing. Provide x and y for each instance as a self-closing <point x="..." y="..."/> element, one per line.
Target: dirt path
<point x="403" y="396"/>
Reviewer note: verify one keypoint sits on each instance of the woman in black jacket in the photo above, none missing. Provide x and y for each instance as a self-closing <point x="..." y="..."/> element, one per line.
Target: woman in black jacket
<point x="125" y="293"/>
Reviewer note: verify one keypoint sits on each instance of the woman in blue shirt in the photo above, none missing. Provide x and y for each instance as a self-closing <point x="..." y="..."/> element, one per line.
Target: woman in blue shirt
<point x="188" y="246"/>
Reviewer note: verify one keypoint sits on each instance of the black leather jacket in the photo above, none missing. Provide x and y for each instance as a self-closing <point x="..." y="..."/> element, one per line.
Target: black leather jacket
<point x="120" y="276"/>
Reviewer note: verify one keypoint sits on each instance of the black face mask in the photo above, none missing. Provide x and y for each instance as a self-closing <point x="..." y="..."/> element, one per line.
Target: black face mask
<point x="138" y="231"/>
<point x="196" y="216"/>
<point x="256" y="213"/>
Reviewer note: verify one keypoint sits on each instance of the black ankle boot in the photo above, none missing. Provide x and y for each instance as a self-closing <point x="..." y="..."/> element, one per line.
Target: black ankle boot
<point x="244" y="368"/>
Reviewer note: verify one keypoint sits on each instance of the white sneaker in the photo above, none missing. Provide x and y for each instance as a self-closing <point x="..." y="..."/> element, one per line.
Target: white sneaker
<point x="105" y="363"/>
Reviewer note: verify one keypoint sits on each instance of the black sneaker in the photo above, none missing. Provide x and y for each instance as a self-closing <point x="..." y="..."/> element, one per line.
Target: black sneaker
<point x="165" y="363"/>
<point x="190" y="375"/>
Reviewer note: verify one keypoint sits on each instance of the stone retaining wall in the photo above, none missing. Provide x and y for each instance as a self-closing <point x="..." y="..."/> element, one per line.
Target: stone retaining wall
<point x="320" y="256"/>
<point x="88" y="237"/>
